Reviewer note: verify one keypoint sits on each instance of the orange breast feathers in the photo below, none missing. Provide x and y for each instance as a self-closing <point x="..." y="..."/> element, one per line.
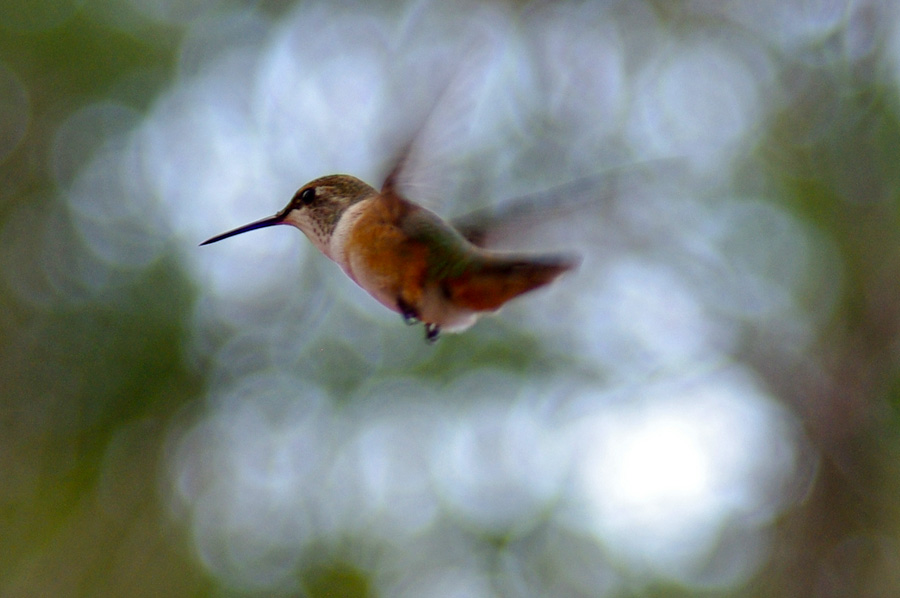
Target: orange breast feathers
<point x="382" y="257"/>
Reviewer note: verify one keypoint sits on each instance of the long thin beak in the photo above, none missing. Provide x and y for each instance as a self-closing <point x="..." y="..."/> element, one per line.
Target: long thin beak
<point x="265" y="222"/>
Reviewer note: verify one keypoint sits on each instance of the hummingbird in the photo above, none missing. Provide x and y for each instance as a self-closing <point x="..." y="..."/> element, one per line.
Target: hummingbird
<point x="407" y="257"/>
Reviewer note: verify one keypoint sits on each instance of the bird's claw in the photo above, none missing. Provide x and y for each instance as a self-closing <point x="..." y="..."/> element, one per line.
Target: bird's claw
<point x="432" y="332"/>
<point x="411" y="316"/>
<point x="409" y="313"/>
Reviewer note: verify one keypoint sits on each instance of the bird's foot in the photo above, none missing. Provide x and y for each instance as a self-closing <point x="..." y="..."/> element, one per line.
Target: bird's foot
<point x="409" y="313"/>
<point x="432" y="332"/>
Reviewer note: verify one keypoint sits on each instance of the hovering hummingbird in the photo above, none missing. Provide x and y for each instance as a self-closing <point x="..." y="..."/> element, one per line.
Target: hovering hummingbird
<point x="406" y="256"/>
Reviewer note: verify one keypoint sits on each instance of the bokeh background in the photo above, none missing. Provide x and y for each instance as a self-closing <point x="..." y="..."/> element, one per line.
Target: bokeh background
<point x="708" y="407"/>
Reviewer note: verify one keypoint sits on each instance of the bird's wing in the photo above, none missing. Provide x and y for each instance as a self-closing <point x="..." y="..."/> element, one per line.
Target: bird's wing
<point x="514" y="219"/>
<point x="437" y="122"/>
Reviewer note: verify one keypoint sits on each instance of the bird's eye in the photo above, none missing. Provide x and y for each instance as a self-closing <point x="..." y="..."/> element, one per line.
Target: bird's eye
<point x="308" y="196"/>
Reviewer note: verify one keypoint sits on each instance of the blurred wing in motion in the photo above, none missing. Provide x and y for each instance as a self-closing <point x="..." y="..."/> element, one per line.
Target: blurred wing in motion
<point x="443" y="123"/>
<point x="512" y="220"/>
